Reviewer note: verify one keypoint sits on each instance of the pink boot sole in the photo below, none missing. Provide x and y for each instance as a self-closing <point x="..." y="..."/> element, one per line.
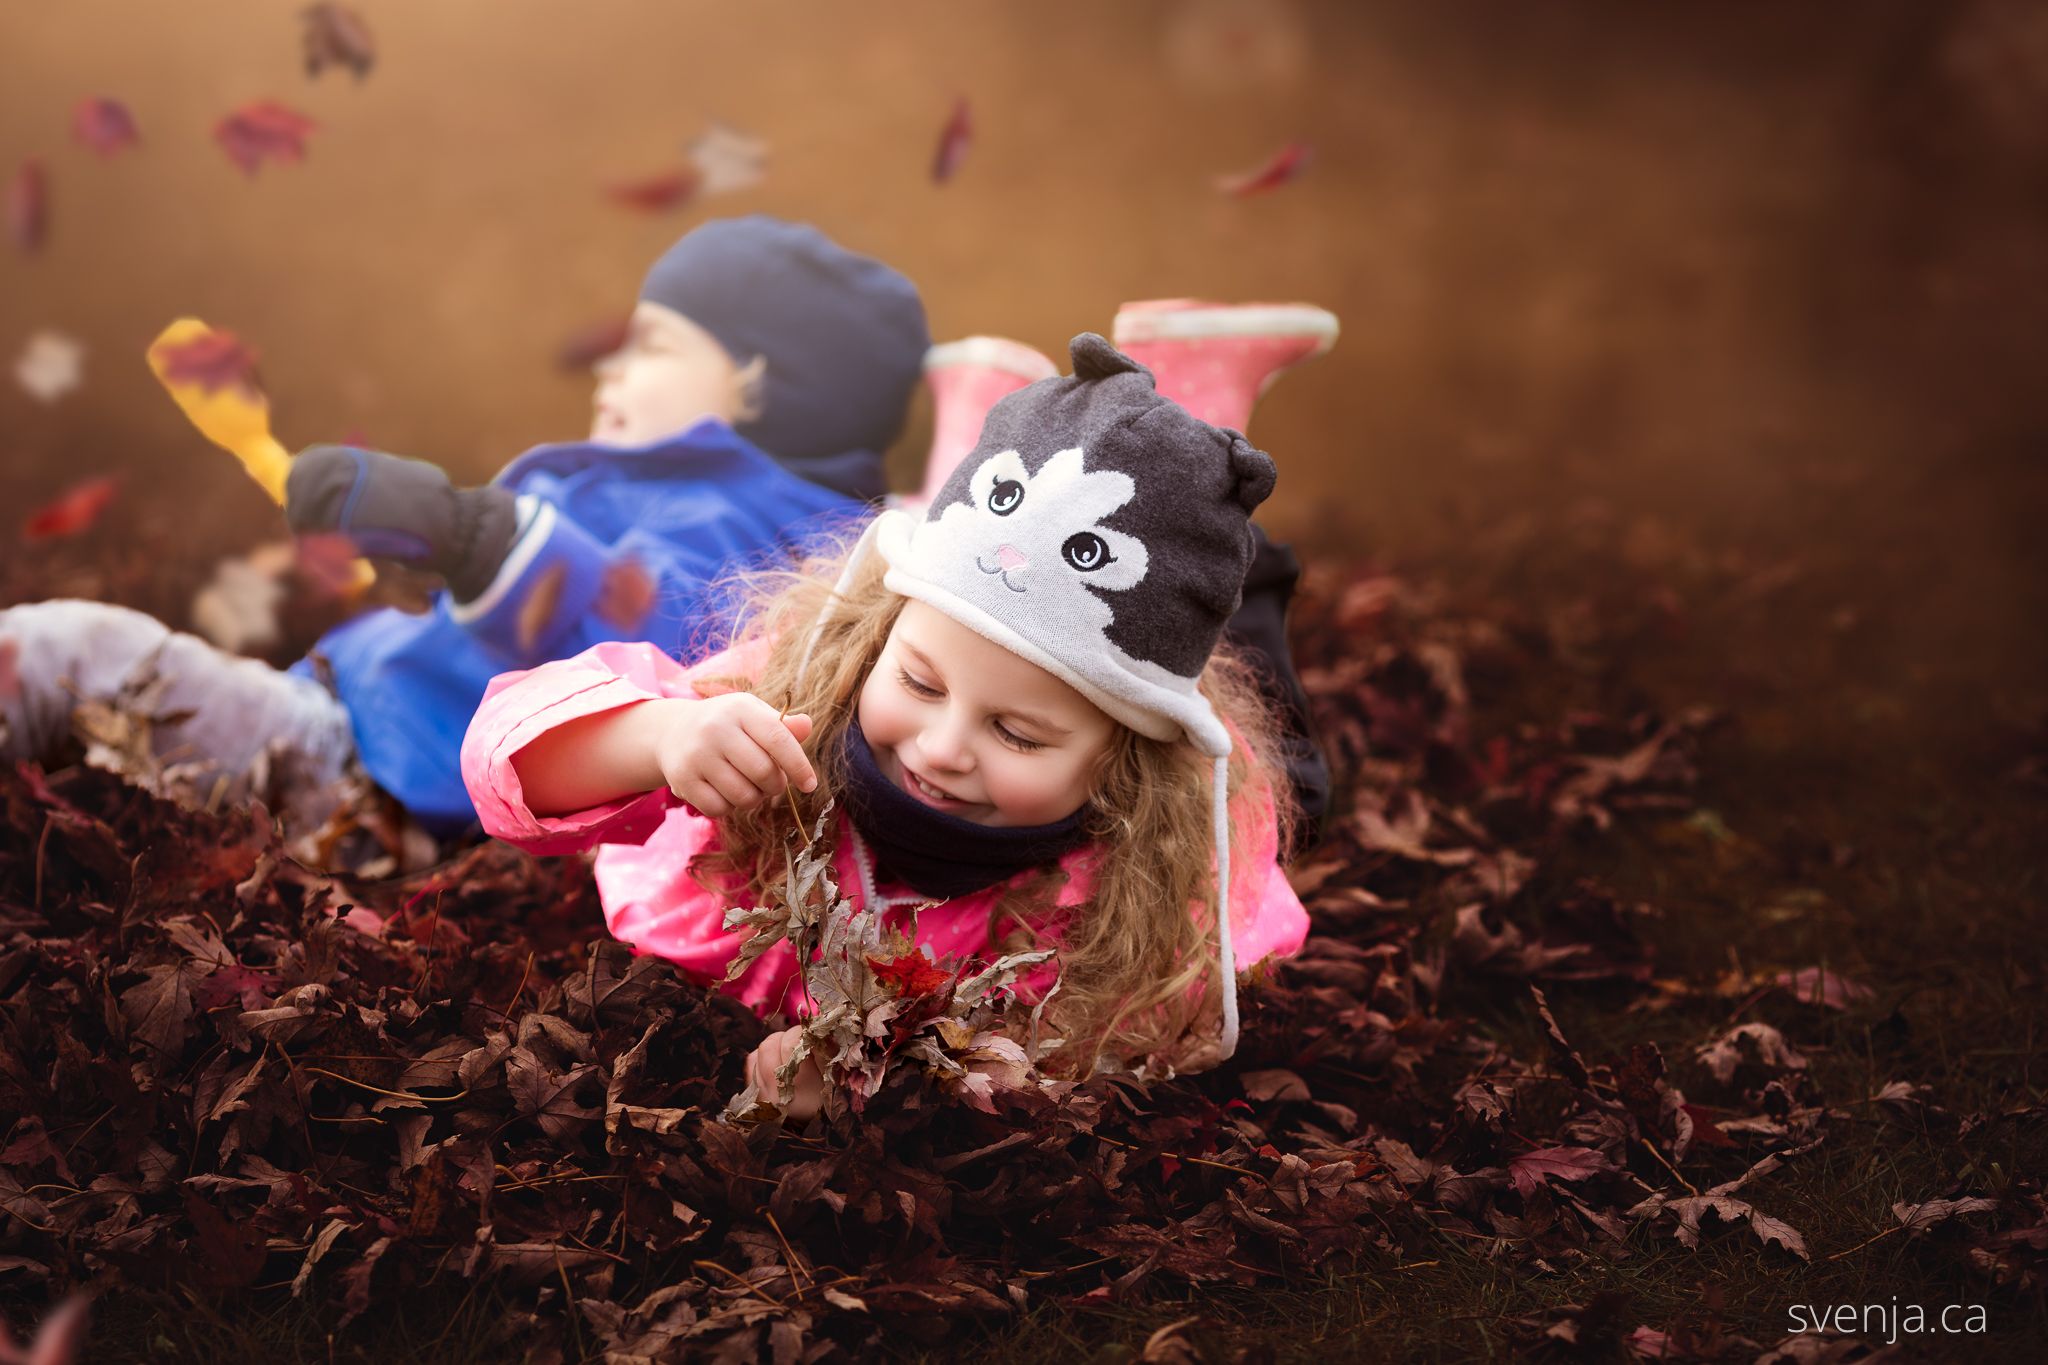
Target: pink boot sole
<point x="967" y="378"/>
<point x="1216" y="359"/>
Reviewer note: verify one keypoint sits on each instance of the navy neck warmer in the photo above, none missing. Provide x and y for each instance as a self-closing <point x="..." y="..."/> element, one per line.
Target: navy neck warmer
<point x="934" y="853"/>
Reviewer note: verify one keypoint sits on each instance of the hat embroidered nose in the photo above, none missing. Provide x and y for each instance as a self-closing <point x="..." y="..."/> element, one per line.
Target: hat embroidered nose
<point x="1010" y="557"/>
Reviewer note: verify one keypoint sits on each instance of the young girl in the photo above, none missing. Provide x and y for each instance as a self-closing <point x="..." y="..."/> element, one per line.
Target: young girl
<point x="1016" y="703"/>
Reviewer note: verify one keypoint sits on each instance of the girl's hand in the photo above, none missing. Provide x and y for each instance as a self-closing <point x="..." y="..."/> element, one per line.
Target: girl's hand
<point x="807" y="1095"/>
<point x="726" y="753"/>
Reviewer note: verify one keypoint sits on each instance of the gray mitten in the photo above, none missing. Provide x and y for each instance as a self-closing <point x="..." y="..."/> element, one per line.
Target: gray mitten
<point x="407" y="510"/>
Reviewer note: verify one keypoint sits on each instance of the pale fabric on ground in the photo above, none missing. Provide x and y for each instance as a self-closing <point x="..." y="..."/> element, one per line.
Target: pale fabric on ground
<point x="247" y="718"/>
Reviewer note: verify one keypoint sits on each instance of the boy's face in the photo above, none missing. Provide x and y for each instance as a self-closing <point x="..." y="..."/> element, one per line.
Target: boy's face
<point x="670" y="374"/>
<point x="953" y="719"/>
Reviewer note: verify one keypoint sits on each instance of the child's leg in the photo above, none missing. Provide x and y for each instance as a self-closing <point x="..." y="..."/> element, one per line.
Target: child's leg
<point x="1215" y="360"/>
<point x="1259" y="629"/>
<point x="967" y="378"/>
<point x="231" y="718"/>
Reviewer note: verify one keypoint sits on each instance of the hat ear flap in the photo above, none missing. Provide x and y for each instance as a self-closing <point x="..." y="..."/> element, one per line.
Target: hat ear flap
<point x="1252" y="471"/>
<point x="1095" y="358"/>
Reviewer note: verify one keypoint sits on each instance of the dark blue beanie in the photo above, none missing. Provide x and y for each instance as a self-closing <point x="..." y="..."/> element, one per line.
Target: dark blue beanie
<point x="844" y="335"/>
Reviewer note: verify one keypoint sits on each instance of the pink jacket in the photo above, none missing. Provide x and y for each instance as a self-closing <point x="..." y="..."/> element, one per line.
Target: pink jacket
<point x="645" y="843"/>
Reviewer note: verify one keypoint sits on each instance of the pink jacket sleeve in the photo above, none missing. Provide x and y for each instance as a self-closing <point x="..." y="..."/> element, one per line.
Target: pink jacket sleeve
<point x="520" y="707"/>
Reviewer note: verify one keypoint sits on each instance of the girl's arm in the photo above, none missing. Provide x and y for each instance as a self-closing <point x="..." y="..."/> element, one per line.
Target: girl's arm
<point x="720" y="754"/>
<point x="612" y="682"/>
<point x="594" y="759"/>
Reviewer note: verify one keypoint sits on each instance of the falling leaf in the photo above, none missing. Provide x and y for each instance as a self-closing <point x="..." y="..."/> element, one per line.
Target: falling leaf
<point x="105" y="125"/>
<point x="237" y="608"/>
<point x="336" y="35"/>
<point x="73" y="511"/>
<point x="626" y="594"/>
<point x="1531" y="1169"/>
<point x="537" y="612"/>
<point x="954" y="140"/>
<point x="51" y="365"/>
<point x="727" y="160"/>
<point x="657" y="193"/>
<point x="1283" y="166"/>
<point x="327" y="562"/>
<point x="588" y="345"/>
<point x="263" y="129"/>
<point x="28" y="206"/>
<point x="216" y="360"/>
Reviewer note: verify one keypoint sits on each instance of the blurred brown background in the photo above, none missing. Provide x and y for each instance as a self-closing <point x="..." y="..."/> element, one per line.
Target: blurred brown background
<point x="1721" y="291"/>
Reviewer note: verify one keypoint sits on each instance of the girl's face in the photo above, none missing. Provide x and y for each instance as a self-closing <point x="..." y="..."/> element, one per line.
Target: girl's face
<point x="971" y="729"/>
<point x="669" y="375"/>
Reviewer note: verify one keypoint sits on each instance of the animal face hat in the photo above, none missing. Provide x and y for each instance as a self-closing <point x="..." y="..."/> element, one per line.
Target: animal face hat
<point x="1101" y="532"/>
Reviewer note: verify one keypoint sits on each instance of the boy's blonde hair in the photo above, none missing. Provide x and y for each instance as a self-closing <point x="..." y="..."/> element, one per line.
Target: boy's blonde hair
<point x="1136" y="965"/>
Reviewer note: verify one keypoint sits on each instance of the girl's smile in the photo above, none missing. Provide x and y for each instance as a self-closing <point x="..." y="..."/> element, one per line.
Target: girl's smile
<point x="971" y="729"/>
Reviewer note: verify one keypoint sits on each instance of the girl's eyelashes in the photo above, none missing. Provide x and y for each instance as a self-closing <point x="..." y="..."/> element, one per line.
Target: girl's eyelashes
<point x="915" y="687"/>
<point x="1017" y="741"/>
<point x="1008" y="736"/>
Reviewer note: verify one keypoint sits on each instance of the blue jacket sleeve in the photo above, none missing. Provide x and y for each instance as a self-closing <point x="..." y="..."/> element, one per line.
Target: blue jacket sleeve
<point x="562" y="589"/>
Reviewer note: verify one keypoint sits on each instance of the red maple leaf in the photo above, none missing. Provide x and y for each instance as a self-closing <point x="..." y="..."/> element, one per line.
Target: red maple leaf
<point x="337" y="36"/>
<point x="104" y="125"/>
<point x="214" y="361"/>
<point x="260" y="129"/>
<point x="911" y="974"/>
<point x="657" y="193"/>
<point x="1284" y="165"/>
<point x="954" y="139"/>
<point x="28" y="205"/>
<point x="587" y="345"/>
<point x="72" y="511"/>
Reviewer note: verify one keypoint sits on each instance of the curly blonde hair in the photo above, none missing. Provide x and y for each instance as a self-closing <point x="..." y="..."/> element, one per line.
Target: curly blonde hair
<point x="1136" y="966"/>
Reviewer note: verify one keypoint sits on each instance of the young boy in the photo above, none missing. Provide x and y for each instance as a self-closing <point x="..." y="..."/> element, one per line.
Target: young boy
<point x="751" y="336"/>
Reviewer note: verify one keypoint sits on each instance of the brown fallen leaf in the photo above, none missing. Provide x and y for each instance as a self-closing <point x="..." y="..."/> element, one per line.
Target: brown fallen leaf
<point x="1722" y="1055"/>
<point x="1819" y="986"/>
<point x="1529" y="1170"/>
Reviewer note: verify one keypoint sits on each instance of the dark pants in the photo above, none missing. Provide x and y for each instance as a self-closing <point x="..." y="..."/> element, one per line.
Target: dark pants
<point x="1260" y="630"/>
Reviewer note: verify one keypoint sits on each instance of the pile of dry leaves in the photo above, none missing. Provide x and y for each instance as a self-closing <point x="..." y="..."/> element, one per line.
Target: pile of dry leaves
<point x="232" y="1076"/>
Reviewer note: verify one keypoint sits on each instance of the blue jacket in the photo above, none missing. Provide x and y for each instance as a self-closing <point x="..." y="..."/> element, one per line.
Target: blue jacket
<point x="687" y="511"/>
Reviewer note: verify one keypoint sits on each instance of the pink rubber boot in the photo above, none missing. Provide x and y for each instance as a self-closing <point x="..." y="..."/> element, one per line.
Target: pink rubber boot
<point x="967" y="378"/>
<point x="1215" y="359"/>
